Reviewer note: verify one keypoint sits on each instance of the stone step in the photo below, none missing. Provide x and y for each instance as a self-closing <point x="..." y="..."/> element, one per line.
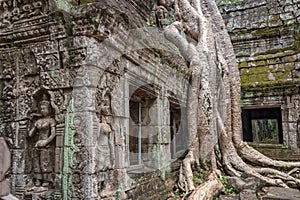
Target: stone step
<point x="276" y="151"/>
<point x="278" y="193"/>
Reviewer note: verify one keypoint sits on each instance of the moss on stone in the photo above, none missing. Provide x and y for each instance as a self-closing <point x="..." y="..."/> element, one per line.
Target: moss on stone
<point x="64" y="5"/>
<point x="265" y="32"/>
<point x="243" y="64"/>
<point x="275" y="20"/>
<point x="288" y="59"/>
<point x="265" y="57"/>
<point x="258" y="63"/>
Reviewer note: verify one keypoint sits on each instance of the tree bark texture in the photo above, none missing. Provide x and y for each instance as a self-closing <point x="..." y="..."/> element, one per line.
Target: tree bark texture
<point x="214" y="113"/>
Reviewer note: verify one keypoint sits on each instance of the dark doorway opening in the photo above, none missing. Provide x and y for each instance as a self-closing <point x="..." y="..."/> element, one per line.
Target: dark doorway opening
<point x="262" y="125"/>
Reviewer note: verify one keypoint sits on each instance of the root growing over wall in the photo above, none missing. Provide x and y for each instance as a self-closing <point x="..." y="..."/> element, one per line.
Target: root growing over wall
<point x="214" y="104"/>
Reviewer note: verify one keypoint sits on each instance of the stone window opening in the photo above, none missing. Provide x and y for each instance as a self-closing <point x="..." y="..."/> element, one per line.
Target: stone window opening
<point x="263" y="125"/>
<point x="141" y="126"/>
<point x="176" y="130"/>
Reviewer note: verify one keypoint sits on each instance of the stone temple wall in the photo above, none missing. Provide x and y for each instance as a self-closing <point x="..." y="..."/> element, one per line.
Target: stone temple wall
<point x="266" y="39"/>
<point x="92" y="100"/>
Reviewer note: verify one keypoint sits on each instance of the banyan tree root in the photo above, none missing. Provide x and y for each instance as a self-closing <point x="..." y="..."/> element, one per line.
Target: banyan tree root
<point x="214" y="100"/>
<point x="210" y="189"/>
<point x="185" y="182"/>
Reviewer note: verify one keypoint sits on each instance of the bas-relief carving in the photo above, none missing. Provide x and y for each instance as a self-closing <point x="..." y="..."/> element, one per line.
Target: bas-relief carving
<point x="11" y="13"/>
<point x="105" y="147"/>
<point x="41" y="138"/>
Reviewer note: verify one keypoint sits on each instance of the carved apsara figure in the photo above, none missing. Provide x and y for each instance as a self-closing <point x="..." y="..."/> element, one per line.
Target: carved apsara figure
<point x="43" y="152"/>
<point x="105" y="146"/>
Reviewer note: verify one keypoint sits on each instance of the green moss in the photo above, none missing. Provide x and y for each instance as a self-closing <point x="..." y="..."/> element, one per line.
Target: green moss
<point x="275" y="87"/>
<point x="285" y="30"/>
<point x="265" y="32"/>
<point x="69" y="151"/>
<point x="64" y="5"/>
<point x="254" y="75"/>
<point x="260" y="74"/>
<point x="258" y="63"/>
<point x="243" y="64"/>
<point x="264" y="57"/>
<point x="291" y="58"/>
<point x="273" y="31"/>
<point x="275" y="20"/>
<point x="284" y="73"/>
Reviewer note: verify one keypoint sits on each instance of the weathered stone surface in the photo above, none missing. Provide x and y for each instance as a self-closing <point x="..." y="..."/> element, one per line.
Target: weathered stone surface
<point x="248" y="194"/>
<point x="244" y="184"/>
<point x="4" y="166"/>
<point x="274" y="193"/>
<point x="85" y="101"/>
<point x="267" y="49"/>
<point x="229" y="197"/>
<point x="66" y="79"/>
<point x="236" y="183"/>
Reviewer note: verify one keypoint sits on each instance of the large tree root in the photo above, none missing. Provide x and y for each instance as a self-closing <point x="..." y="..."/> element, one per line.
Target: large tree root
<point x="258" y="158"/>
<point x="214" y="103"/>
<point x="207" y="191"/>
<point x="235" y="165"/>
<point x="185" y="182"/>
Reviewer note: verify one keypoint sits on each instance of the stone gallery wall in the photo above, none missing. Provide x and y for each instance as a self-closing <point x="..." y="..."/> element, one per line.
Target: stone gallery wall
<point x="266" y="39"/>
<point x="90" y="102"/>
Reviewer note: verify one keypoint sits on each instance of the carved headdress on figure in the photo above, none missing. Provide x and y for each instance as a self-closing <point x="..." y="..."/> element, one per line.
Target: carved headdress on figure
<point x="44" y="96"/>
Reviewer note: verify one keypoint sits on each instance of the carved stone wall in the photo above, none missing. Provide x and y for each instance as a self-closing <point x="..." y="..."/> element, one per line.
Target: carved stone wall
<point x="67" y="70"/>
<point x="266" y="38"/>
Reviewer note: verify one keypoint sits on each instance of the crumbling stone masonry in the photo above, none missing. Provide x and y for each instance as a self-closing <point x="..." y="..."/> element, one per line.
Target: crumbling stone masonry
<point x="92" y="100"/>
<point x="266" y="38"/>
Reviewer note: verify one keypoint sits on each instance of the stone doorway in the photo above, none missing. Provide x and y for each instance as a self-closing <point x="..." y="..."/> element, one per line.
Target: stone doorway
<point x="262" y="125"/>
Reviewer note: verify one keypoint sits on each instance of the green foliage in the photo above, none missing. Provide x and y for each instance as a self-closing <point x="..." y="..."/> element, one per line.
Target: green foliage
<point x="150" y="22"/>
<point x="224" y="181"/>
<point x="197" y="178"/>
<point x="174" y="47"/>
<point x="177" y="194"/>
<point x="228" y="190"/>
<point x="265" y="130"/>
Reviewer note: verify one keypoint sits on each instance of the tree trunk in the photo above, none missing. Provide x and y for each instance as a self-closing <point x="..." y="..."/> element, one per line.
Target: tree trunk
<point x="214" y="113"/>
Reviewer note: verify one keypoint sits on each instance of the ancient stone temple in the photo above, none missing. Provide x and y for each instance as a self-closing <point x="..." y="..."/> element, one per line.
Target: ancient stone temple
<point x="93" y="96"/>
<point x="90" y="100"/>
<point x="265" y="36"/>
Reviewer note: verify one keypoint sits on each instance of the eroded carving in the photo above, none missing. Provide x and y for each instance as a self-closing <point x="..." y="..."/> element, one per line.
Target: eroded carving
<point x="43" y="143"/>
<point x="105" y="146"/>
